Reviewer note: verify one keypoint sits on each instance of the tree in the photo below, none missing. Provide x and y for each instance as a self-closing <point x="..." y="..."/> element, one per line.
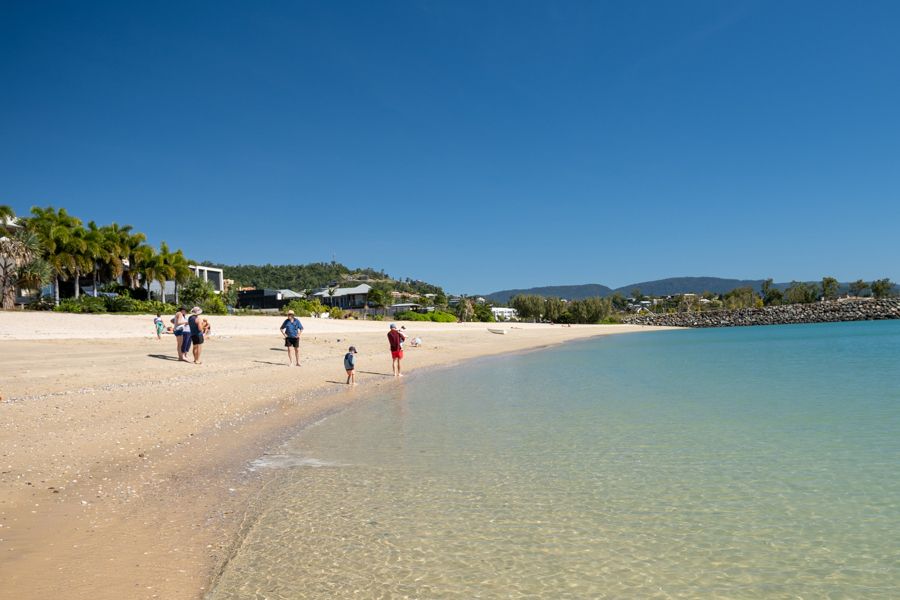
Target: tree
<point x="62" y="248"/>
<point x="882" y="288"/>
<point x="197" y="292"/>
<point x="742" y="297"/>
<point x="163" y="270"/>
<point x="21" y="265"/>
<point x="589" y="310"/>
<point x="483" y="313"/>
<point x="801" y="293"/>
<point x="376" y="297"/>
<point x="464" y="310"/>
<point x="637" y="295"/>
<point x="858" y="288"/>
<point x="529" y="306"/>
<point x="181" y="272"/>
<point x="770" y="294"/>
<point x="618" y="302"/>
<point x="554" y="309"/>
<point x="830" y="287"/>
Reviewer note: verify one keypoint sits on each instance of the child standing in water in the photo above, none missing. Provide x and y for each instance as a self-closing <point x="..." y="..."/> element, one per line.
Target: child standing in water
<point x="350" y="365"/>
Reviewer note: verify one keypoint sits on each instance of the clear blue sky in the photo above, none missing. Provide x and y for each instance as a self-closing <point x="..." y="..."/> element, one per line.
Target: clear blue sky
<point x="478" y="145"/>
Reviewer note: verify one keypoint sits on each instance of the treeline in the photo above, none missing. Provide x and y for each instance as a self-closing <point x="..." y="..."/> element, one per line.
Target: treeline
<point x="797" y="292"/>
<point x="53" y="246"/>
<point x="556" y="310"/>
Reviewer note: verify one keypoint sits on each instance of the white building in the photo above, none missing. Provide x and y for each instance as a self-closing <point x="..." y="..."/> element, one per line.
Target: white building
<point x="502" y="313"/>
<point x="211" y="274"/>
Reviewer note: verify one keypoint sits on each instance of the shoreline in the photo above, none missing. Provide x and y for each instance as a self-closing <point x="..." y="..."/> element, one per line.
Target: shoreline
<point x="125" y="474"/>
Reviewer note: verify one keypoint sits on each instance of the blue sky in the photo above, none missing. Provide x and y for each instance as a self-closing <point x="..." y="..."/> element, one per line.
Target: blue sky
<point x="478" y="145"/>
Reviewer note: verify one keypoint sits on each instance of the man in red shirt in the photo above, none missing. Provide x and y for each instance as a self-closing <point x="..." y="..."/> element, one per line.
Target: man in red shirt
<point x="396" y="339"/>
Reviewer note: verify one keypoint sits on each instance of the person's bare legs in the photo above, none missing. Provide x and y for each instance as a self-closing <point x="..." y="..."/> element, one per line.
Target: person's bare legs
<point x="395" y="367"/>
<point x="296" y="352"/>
<point x="178" y="351"/>
<point x="351" y="377"/>
<point x="198" y="348"/>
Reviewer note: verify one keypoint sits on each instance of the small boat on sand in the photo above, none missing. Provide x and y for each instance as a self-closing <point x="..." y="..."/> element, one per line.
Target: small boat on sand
<point x="498" y="331"/>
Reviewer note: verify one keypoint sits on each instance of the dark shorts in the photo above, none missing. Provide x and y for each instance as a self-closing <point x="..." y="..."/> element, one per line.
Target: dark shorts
<point x="197" y="339"/>
<point x="396" y="353"/>
<point x="289" y="341"/>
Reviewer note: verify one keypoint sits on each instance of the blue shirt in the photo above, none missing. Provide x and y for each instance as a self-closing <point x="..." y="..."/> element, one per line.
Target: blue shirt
<point x="349" y="361"/>
<point x="292" y="328"/>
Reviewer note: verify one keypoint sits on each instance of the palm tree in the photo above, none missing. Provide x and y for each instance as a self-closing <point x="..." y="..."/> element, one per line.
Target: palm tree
<point x="145" y="267"/>
<point x="97" y="249"/>
<point x="56" y="232"/>
<point x="132" y="250"/>
<point x="163" y="270"/>
<point x="181" y="271"/>
<point x="20" y="266"/>
<point x="85" y="249"/>
<point x="111" y="267"/>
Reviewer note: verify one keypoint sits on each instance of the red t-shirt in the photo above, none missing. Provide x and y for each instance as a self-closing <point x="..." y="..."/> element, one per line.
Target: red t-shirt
<point x="394" y="339"/>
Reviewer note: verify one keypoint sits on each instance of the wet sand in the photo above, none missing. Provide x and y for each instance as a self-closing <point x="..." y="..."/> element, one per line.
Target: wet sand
<point x="123" y="473"/>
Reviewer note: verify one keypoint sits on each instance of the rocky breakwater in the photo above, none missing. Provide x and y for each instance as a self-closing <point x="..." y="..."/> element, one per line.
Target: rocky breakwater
<point x="818" y="312"/>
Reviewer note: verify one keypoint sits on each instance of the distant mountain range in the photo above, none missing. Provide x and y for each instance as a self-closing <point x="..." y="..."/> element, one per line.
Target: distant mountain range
<point x="658" y="287"/>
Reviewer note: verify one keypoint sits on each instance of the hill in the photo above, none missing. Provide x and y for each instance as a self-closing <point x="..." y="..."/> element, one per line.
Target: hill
<point x="687" y="285"/>
<point x="657" y="287"/>
<point x="318" y="275"/>
<point x="569" y="292"/>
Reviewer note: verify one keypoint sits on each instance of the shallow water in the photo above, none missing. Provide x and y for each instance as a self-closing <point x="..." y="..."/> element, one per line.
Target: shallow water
<point x="731" y="463"/>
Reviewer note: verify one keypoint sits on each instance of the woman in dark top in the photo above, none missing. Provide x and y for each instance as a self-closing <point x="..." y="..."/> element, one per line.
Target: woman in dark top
<point x="196" y="332"/>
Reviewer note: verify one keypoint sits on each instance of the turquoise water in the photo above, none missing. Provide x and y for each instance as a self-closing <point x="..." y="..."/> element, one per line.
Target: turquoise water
<point x="727" y="463"/>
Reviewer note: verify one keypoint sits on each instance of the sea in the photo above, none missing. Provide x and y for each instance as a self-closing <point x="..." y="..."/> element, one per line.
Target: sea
<point x="755" y="462"/>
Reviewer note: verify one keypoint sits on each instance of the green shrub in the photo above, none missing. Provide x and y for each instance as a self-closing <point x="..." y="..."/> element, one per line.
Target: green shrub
<point x="84" y="304"/>
<point x="304" y="308"/>
<point x="436" y="316"/>
<point x="443" y="317"/>
<point x="122" y="304"/>
<point x="127" y="304"/>
<point x="42" y="303"/>
<point x="214" y="306"/>
<point x="336" y="313"/>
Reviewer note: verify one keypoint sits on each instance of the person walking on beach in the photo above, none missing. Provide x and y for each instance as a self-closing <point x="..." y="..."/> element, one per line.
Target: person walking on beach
<point x="158" y="324"/>
<point x="396" y="339"/>
<point x="350" y="365"/>
<point x="182" y="334"/>
<point x="291" y="330"/>
<point x="196" y="333"/>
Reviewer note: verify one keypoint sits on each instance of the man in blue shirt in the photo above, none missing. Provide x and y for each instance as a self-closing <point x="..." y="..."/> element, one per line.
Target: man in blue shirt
<point x="291" y="330"/>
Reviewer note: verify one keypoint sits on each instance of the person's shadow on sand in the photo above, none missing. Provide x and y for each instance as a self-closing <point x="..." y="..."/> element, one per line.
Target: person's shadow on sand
<point x="163" y="357"/>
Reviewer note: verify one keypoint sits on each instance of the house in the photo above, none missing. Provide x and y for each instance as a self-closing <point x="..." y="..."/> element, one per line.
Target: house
<point x="215" y="276"/>
<point x="404" y="307"/>
<point x="502" y="313"/>
<point x="266" y="299"/>
<point x="346" y="298"/>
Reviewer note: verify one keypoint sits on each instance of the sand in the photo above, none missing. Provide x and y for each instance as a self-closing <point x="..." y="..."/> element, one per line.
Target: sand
<point x="124" y="474"/>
